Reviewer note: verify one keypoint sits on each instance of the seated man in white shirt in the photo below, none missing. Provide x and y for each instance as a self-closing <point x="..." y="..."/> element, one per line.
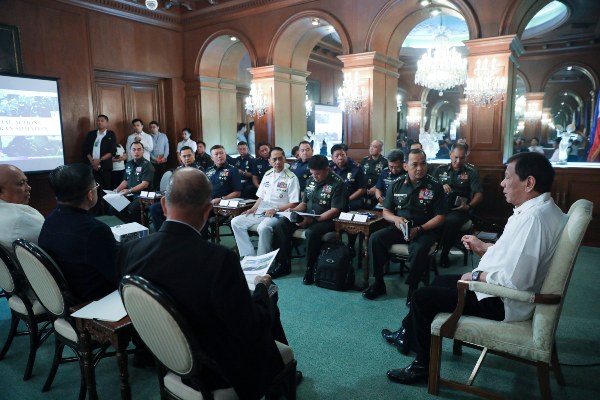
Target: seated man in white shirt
<point x="17" y="219"/>
<point x="278" y="190"/>
<point x="518" y="260"/>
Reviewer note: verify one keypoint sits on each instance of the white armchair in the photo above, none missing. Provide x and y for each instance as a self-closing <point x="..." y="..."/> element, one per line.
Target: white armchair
<point x="531" y="341"/>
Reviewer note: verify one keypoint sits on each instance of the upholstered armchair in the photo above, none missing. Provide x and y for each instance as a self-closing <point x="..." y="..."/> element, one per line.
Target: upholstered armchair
<point x="531" y="341"/>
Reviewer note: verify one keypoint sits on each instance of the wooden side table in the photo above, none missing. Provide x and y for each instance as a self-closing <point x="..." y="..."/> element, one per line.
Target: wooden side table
<point x="146" y="203"/>
<point x="366" y="229"/>
<point x="118" y="335"/>
<point x="227" y="212"/>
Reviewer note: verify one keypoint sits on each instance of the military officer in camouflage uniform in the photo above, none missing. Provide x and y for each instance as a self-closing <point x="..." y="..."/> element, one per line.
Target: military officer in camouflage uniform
<point x="373" y="164"/>
<point x="463" y="193"/>
<point x="139" y="174"/>
<point x="352" y="174"/>
<point x="417" y="199"/>
<point x="325" y="196"/>
<point x="388" y="175"/>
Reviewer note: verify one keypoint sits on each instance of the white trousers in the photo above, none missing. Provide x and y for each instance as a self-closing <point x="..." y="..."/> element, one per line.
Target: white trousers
<point x="240" y="225"/>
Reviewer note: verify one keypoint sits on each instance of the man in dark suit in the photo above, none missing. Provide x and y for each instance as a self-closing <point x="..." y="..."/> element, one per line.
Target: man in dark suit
<point x="232" y="326"/>
<point x="99" y="148"/>
<point x="83" y="247"/>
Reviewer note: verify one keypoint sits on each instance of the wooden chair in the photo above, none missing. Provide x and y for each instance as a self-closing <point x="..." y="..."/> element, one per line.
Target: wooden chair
<point x="166" y="333"/>
<point x="23" y="307"/>
<point x="532" y="341"/>
<point x="51" y="289"/>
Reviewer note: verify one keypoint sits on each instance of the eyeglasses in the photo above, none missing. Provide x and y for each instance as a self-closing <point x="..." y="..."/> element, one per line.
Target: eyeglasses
<point x="96" y="186"/>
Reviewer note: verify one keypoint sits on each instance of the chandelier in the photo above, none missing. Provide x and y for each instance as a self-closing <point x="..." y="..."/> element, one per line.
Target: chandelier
<point x="256" y="102"/>
<point x="442" y="67"/>
<point x="308" y="105"/>
<point x="351" y="97"/>
<point x="486" y="88"/>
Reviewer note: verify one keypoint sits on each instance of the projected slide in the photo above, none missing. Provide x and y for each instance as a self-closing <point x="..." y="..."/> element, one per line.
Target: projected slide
<point x="30" y="127"/>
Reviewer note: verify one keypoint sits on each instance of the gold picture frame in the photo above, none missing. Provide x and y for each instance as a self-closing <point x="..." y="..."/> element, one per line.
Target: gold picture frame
<point x="10" y="50"/>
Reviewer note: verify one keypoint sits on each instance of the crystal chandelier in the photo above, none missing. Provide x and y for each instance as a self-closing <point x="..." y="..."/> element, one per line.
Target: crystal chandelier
<point x="308" y="105"/>
<point x="442" y="67"/>
<point x="486" y="88"/>
<point x="351" y="97"/>
<point x="256" y="102"/>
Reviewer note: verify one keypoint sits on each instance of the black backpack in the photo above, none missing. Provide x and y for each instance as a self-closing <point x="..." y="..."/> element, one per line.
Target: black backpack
<point x="334" y="267"/>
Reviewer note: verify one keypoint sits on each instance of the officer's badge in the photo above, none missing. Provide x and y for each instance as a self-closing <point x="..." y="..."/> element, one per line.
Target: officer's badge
<point x="426" y="194"/>
<point x="327" y="189"/>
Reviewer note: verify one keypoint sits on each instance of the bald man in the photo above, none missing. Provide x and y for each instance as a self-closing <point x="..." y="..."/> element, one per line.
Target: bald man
<point x="17" y="219"/>
<point x="209" y="287"/>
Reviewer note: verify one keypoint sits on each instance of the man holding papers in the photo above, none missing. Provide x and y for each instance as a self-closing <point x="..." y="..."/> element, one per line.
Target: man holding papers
<point x="207" y="284"/>
<point x="278" y="190"/>
<point x="139" y="174"/>
<point x="83" y="247"/>
<point x="325" y="197"/>
<point x="414" y="203"/>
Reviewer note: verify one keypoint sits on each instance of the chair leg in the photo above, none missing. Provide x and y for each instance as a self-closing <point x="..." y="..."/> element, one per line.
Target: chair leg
<point x="544" y="380"/>
<point x="34" y="343"/>
<point x="58" y="350"/>
<point x="457" y="348"/>
<point x="435" y="359"/>
<point x="556" y="367"/>
<point x="82" y="385"/>
<point x="14" y="323"/>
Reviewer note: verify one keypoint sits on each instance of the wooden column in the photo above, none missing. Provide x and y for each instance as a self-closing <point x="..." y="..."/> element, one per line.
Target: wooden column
<point x="377" y="120"/>
<point x="284" y="124"/>
<point x="489" y="126"/>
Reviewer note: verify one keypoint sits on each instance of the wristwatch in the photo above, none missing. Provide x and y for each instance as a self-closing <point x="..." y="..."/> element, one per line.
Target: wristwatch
<point x="475" y="276"/>
<point x="276" y="209"/>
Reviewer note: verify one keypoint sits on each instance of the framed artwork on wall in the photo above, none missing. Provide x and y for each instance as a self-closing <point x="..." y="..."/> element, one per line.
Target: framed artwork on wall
<point x="10" y="50"/>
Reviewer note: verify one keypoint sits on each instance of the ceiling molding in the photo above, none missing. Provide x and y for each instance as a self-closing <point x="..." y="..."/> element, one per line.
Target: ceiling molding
<point x="131" y="11"/>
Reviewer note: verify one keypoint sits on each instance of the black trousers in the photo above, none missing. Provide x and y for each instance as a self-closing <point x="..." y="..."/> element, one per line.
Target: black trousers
<point x="282" y="239"/>
<point x="441" y="296"/>
<point x="451" y="230"/>
<point x="418" y="252"/>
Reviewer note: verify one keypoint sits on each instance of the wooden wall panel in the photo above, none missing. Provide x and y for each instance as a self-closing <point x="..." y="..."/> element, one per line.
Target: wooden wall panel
<point x="144" y="103"/>
<point x="111" y="101"/>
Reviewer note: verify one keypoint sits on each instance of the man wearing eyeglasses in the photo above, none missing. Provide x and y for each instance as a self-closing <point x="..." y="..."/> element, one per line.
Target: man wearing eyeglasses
<point x="83" y="247"/>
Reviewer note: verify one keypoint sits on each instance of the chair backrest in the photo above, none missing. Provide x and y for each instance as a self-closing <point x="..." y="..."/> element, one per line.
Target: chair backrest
<point x="159" y="324"/>
<point x="164" y="181"/>
<point x="44" y="276"/>
<point x="7" y="268"/>
<point x="545" y="317"/>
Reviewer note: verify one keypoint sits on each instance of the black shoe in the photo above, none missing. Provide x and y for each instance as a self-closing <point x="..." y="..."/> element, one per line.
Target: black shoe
<point x="309" y="277"/>
<point x="374" y="291"/>
<point x="397" y="338"/>
<point x="411" y="290"/>
<point x="279" y="269"/>
<point x="413" y="373"/>
<point x="299" y="377"/>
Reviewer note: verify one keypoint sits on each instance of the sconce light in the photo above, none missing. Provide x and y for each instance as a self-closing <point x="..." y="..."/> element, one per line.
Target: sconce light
<point x="308" y="105"/>
<point x="414" y="116"/>
<point x="398" y="103"/>
<point x="533" y="112"/>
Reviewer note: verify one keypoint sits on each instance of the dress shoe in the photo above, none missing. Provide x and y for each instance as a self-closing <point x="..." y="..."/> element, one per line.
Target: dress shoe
<point x="279" y="269"/>
<point x="374" y="291"/>
<point x="299" y="377"/>
<point x="413" y="373"/>
<point x="397" y="338"/>
<point x="309" y="277"/>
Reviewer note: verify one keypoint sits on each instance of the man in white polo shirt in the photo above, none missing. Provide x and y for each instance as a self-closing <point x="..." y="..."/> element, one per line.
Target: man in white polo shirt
<point x="278" y="190"/>
<point x="139" y="135"/>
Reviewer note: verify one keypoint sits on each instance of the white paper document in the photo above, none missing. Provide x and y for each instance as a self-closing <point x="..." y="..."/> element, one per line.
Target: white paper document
<point x="109" y="308"/>
<point x="116" y="200"/>
<point x="254" y="266"/>
<point x="405" y="231"/>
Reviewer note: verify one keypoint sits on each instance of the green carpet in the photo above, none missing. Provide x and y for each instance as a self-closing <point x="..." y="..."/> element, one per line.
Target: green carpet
<point x="337" y="342"/>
